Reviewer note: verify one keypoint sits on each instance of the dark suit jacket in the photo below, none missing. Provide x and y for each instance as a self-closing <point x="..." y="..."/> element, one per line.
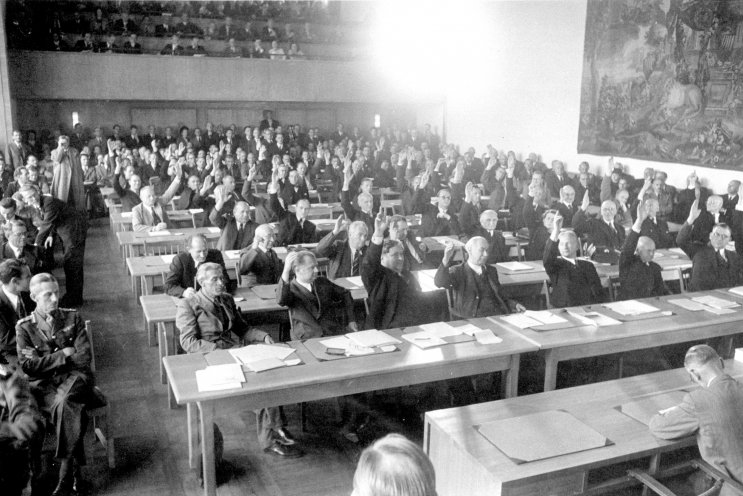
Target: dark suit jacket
<point x="497" y="249"/>
<point x="263" y="213"/>
<point x="709" y="271"/>
<point x="538" y="236"/>
<point x="338" y="252"/>
<point x="191" y="199"/>
<point x="566" y="212"/>
<point x="169" y="50"/>
<point x="658" y="232"/>
<point x="29" y="254"/>
<point x="129" y="199"/>
<point x="393" y="298"/>
<point x="432" y="225"/>
<point x="182" y="273"/>
<point x="260" y="267"/>
<point x="231" y="239"/>
<point x="17" y="155"/>
<point x="572" y="284"/>
<point x="290" y="231"/>
<point x="326" y="312"/>
<point x="555" y="184"/>
<point x="8" y="320"/>
<point x="469" y="218"/>
<point x="608" y="243"/>
<point x="460" y="279"/>
<point x="637" y="279"/>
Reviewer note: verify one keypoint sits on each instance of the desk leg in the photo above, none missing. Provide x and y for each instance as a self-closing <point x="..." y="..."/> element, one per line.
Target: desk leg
<point x="550" y="370"/>
<point x="192" y="417"/>
<point x="149" y="329"/>
<point x="148" y="285"/>
<point x="206" y="425"/>
<point x="162" y="342"/>
<point x="510" y="379"/>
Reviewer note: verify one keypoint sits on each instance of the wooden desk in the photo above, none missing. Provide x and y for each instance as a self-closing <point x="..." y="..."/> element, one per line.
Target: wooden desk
<point x="133" y="242"/>
<point x="467" y="463"/>
<point x="588" y="341"/>
<point x="316" y="380"/>
<point x="122" y="221"/>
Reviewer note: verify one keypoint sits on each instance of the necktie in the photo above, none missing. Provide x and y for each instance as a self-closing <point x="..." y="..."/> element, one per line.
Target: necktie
<point x="155" y="218"/>
<point x="20" y="309"/>
<point x="240" y="232"/>
<point x="722" y="256"/>
<point x="355" y="263"/>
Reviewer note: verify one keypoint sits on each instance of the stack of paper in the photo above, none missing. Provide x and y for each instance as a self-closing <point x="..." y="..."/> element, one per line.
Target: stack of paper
<point x="514" y="266"/>
<point x="715" y="302"/>
<point x="593" y="318"/>
<point x="737" y="290"/>
<point x="220" y="377"/>
<point x="486" y="336"/>
<point x="351" y="348"/>
<point x="630" y="307"/>
<point x="423" y="339"/>
<point x="440" y="330"/>
<point x="545" y="317"/>
<point x="687" y="304"/>
<point x="519" y="320"/>
<point x="372" y="338"/>
<point x="260" y="357"/>
<point x="158" y="233"/>
<point x="232" y="254"/>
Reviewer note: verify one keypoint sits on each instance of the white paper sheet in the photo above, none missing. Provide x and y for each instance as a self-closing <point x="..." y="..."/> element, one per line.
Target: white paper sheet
<point x="265" y="364"/>
<point x="440" y="330"/>
<point x="423" y="340"/>
<point x="256" y="352"/>
<point x="196" y="210"/>
<point x="486" y="336"/>
<point x="126" y="215"/>
<point x="167" y="258"/>
<point x="594" y="318"/>
<point x="630" y="307"/>
<point x="687" y="304"/>
<point x="280" y="250"/>
<point x="514" y="266"/>
<point x="545" y="317"/>
<point x="372" y="338"/>
<point x="520" y="320"/>
<point x="715" y="302"/>
<point x="469" y="329"/>
<point x="336" y="342"/>
<point x="220" y="377"/>
<point x="446" y="240"/>
<point x="737" y="290"/>
<point x="356" y="281"/>
<point x="158" y="233"/>
<point x="678" y="251"/>
<point x="214" y="230"/>
<point x="232" y="254"/>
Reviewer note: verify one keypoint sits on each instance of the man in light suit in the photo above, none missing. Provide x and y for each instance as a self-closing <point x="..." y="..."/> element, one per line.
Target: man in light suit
<point x="150" y="215"/>
<point x="260" y="264"/>
<point x="344" y="255"/>
<point x="711" y="412"/>
<point x="17" y="151"/>
<point x="181" y="280"/>
<point x="209" y="320"/>
<point x="67" y="183"/>
<point x="237" y="231"/>
<point x="319" y="307"/>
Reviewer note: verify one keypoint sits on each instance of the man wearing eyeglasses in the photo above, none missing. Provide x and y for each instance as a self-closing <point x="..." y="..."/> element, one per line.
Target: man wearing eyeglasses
<point x="713" y="265"/>
<point x="440" y="219"/>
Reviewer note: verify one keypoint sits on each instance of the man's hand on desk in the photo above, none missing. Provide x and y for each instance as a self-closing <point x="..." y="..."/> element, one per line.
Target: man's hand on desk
<point x="160" y="227"/>
<point x="353" y="327"/>
<point x="189" y="292"/>
<point x="520" y="308"/>
<point x="268" y="339"/>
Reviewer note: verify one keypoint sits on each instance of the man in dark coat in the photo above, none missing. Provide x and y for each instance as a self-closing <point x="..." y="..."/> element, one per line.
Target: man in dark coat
<point x="181" y="279"/>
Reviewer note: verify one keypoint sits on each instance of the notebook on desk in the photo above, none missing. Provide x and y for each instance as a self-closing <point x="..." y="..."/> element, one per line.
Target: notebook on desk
<point x="644" y="409"/>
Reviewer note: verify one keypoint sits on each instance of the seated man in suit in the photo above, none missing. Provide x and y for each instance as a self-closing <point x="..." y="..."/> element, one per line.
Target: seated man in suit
<point x="150" y="215"/>
<point x="474" y="285"/>
<point x="260" y="264"/>
<point x="181" y="280"/>
<point x="15" y="303"/>
<point x="129" y="197"/>
<point x="54" y="352"/>
<point x="263" y="213"/>
<point x="713" y="266"/>
<point x="439" y="219"/>
<point x="469" y="213"/>
<point x="344" y="255"/>
<point x="238" y="230"/>
<point x="295" y="228"/>
<point x="711" y="412"/>
<point x="294" y="189"/>
<point x="538" y="236"/>
<point x="565" y="206"/>
<point x="319" y="307"/>
<point x="193" y="195"/>
<point x="654" y="227"/>
<point x="497" y="249"/>
<point x="413" y="250"/>
<point x="225" y="199"/>
<point x="574" y="281"/>
<point x="395" y="298"/>
<point x="364" y="200"/>
<point x="17" y="246"/>
<point x="8" y="213"/>
<point x="209" y="320"/>
<point x="639" y="276"/>
<point x="605" y="234"/>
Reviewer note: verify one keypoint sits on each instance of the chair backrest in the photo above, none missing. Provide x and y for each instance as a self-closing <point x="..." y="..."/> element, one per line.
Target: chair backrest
<point x="162" y="247"/>
<point x="89" y="333"/>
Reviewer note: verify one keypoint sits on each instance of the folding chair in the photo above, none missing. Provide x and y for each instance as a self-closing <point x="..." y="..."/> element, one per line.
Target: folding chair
<point x="105" y="433"/>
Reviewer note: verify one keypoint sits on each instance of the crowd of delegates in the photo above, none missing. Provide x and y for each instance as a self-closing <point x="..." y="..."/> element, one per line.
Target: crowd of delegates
<point x="612" y="218"/>
<point x="259" y="29"/>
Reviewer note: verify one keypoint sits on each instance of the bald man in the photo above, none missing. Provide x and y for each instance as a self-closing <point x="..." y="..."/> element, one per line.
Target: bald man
<point x="605" y="233"/>
<point x="639" y="276"/>
<point x="711" y="412"/>
<point x="574" y="282"/>
<point x="475" y="289"/>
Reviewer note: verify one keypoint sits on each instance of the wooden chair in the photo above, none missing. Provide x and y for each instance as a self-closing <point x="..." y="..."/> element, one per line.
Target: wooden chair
<point x="105" y="433"/>
<point x="718" y="476"/>
<point x="158" y="247"/>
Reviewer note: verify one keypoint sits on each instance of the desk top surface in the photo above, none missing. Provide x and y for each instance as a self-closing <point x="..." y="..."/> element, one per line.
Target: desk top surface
<point x="181" y="368"/>
<point x="139" y="238"/>
<point x="594" y="404"/>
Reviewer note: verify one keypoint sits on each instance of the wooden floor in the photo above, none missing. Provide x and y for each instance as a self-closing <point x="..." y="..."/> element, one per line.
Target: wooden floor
<point x="151" y="449"/>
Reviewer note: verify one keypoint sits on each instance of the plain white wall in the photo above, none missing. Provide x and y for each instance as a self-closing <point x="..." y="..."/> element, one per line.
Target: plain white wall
<point x="533" y="102"/>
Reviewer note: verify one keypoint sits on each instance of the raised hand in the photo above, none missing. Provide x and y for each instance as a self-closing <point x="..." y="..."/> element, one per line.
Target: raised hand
<point x="380" y="224"/>
<point x="448" y="253"/>
<point x="468" y="192"/>
<point x="291" y="257"/>
<point x="642" y="213"/>
<point x="586" y="201"/>
<point x="340" y="224"/>
<point x="694" y="212"/>
<point x="589" y="250"/>
<point x="557" y="223"/>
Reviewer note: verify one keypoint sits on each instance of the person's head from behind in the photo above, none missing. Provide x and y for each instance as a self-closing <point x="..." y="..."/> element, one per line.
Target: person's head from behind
<point x="210" y="278"/>
<point x="703" y="363"/>
<point x="357" y="234"/>
<point x="568" y="244"/>
<point x="45" y="292"/>
<point x="265" y="237"/>
<point x="720" y="236"/>
<point x="197" y="247"/>
<point x="15" y="275"/>
<point x="305" y="267"/>
<point x="489" y="220"/>
<point x="394" y="466"/>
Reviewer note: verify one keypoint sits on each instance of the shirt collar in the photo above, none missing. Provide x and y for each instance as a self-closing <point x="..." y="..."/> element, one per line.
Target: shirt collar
<point x="306" y="286"/>
<point x="476" y="268"/>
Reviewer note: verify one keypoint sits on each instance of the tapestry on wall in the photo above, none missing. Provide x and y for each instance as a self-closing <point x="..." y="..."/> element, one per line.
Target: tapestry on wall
<point x="663" y="80"/>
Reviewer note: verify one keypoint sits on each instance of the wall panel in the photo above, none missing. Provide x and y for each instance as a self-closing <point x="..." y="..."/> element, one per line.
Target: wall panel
<point x="162" y="117"/>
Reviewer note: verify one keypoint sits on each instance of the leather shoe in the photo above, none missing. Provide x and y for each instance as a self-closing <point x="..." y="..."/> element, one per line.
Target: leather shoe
<point x="284" y="437"/>
<point x="278" y="449"/>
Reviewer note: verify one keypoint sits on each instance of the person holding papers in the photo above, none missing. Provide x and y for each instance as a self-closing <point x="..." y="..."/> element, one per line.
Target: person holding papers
<point x="606" y="234"/>
<point x="210" y="320"/>
<point x="395" y="298"/>
<point x="574" y="281"/>
<point x="639" y="276"/>
<point x="713" y="266"/>
<point x="260" y="264"/>
<point x="344" y="255"/>
<point x="474" y="285"/>
<point x="181" y="280"/>
<point x="711" y="412"/>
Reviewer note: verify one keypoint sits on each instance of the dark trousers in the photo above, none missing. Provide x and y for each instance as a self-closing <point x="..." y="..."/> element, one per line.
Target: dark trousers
<point x="66" y="405"/>
<point x="73" y="231"/>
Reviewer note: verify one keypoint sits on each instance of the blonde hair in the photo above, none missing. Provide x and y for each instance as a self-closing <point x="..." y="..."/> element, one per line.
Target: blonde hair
<point x="394" y="466"/>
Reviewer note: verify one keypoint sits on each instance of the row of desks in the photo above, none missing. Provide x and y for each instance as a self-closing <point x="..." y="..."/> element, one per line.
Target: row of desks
<point x="318" y="380"/>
